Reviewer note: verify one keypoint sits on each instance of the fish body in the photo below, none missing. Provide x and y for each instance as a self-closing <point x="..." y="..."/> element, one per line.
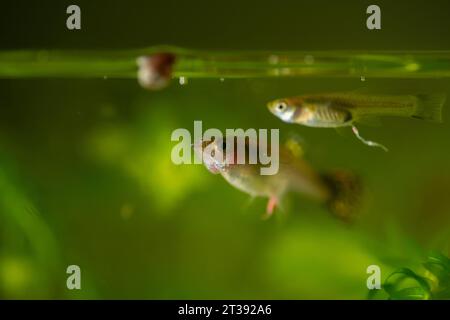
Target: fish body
<point x="343" y="109"/>
<point x="294" y="174"/>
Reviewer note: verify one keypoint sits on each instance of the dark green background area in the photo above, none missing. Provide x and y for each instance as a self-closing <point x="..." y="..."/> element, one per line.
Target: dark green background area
<point x="86" y="176"/>
<point x="270" y="25"/>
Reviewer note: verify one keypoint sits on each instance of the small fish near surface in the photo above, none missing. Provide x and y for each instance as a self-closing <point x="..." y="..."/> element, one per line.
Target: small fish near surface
<point x="344" y="109"/>
<point x="339" y="190"/>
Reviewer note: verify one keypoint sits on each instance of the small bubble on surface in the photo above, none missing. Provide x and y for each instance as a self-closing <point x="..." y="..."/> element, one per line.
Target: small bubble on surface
<point x="363" y="78"/>
<point x="222" y="79"/>
<point x="183" y="81"/>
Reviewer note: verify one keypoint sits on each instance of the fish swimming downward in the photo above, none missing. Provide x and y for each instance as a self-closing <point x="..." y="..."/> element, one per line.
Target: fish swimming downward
<point x="347" y="108"/>
<point x="339" y="190"/>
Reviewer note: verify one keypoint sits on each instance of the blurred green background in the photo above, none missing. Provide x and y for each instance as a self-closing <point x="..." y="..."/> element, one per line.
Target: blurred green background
<point x="86" y="176"/>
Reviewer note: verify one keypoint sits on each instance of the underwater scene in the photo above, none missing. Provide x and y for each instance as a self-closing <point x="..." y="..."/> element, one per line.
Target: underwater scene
<point x="112" y="186"/>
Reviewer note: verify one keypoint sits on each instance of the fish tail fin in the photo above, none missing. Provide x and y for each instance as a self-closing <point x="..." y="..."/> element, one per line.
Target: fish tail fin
<point x="346" y="193"/>
<point x="429" y="107"/>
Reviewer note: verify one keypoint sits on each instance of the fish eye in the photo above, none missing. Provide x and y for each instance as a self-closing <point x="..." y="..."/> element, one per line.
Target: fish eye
<point x="281" y="106"/>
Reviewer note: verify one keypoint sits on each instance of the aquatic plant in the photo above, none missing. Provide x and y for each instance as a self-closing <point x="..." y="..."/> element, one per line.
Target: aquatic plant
<point x="433" y="283"/>
<point x="29" y="255"/>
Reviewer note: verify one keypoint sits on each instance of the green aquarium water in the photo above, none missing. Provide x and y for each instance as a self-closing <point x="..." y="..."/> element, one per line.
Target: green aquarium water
<point x="86" y="176"/>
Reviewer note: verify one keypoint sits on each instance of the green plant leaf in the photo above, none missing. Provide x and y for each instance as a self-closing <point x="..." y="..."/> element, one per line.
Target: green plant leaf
<point x="393" y="285"/>
<point x="415" y="293"/>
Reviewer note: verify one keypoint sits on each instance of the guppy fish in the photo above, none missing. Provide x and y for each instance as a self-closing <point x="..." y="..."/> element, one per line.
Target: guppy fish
<point x="345" y="108"/>
<point x="339" y="190"/>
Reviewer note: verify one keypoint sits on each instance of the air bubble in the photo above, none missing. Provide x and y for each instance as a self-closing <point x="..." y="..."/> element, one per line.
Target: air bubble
<point x="183" y="80"/>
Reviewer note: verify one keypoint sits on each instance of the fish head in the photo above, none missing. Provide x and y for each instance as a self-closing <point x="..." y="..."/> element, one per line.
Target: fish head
<point x="284" y="109"/>
<point x="212" y="153"/>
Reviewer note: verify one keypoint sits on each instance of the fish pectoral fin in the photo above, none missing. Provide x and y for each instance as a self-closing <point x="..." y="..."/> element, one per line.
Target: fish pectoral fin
<point x="271" y="205"/>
